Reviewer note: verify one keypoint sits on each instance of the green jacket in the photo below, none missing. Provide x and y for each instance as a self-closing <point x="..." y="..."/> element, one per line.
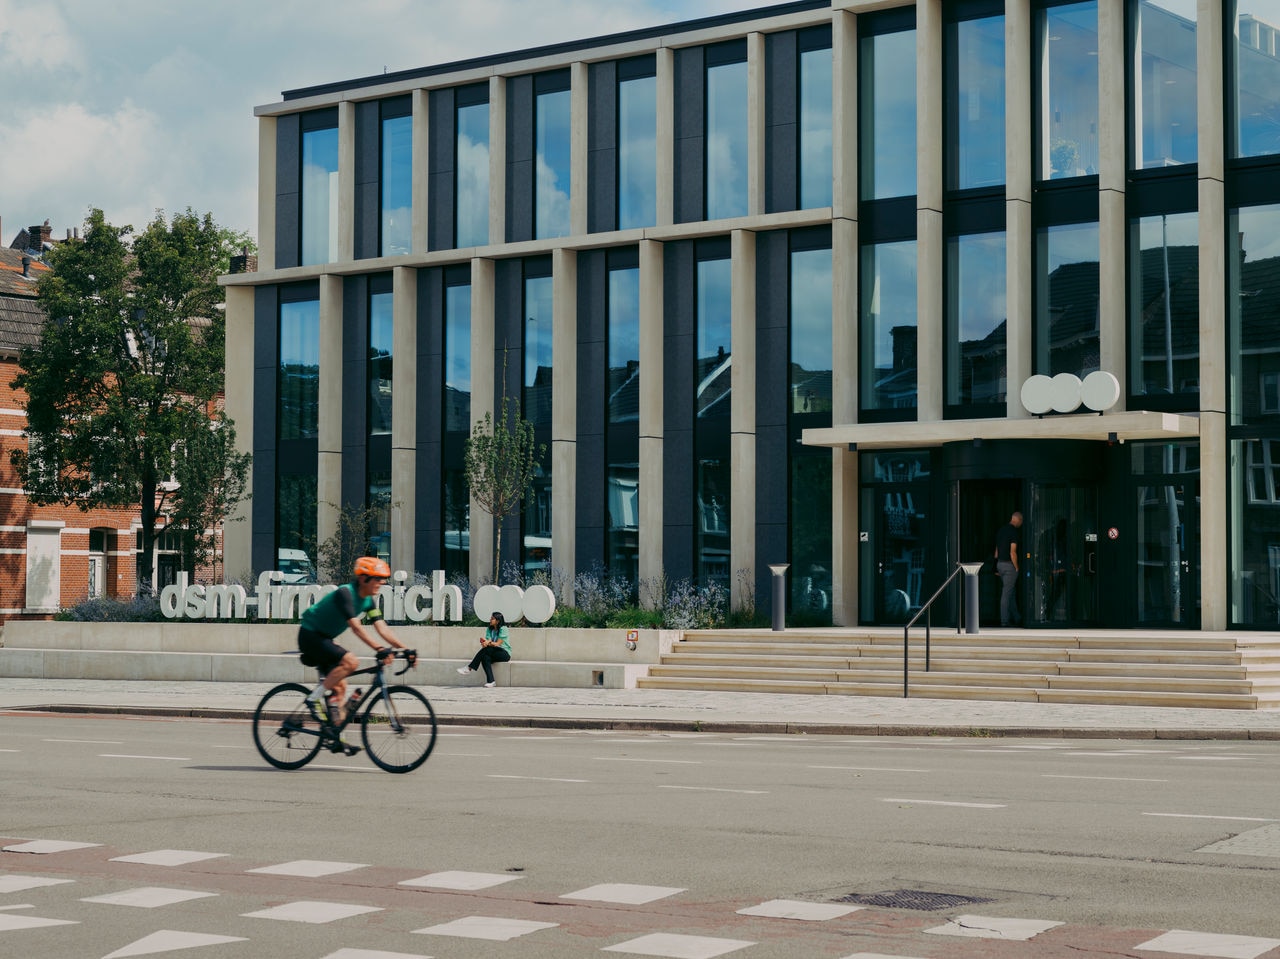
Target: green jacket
<point x="331" y="615"/>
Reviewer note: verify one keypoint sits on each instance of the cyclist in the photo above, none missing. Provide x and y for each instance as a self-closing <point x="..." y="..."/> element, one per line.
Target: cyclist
<point x="333" y="615"/>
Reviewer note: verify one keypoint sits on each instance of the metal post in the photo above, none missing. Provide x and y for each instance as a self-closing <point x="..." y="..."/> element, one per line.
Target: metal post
<point x="779" y="571"/>
<point x="971" y="583"/>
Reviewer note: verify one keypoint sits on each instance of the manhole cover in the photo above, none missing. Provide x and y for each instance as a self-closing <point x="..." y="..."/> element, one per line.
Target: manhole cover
<point x="911" y="899"/>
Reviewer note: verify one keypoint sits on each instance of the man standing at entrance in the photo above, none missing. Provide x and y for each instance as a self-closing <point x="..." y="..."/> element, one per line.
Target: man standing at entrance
<point x="1007" y="570"/>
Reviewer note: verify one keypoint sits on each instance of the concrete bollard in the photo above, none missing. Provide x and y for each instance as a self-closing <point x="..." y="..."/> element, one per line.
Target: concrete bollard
<point x="779" y="571"/>
<point x="971" y="583"/>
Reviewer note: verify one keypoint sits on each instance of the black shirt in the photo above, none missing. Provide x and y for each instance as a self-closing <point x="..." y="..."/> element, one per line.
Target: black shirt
<point x="1008" y="536"/>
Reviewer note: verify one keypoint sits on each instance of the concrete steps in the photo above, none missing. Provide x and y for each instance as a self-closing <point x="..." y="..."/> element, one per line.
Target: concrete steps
<point x="1197" y="669"/>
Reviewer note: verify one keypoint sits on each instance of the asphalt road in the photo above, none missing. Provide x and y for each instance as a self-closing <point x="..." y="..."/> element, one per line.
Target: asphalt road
<point x="1114" y="839"/>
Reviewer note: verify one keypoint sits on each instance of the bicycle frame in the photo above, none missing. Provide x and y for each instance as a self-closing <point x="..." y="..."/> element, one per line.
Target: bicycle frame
<point x="379" y="683"/>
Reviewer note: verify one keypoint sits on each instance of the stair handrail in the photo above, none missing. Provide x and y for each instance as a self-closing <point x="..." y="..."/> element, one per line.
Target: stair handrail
<point x="926" y="612"/>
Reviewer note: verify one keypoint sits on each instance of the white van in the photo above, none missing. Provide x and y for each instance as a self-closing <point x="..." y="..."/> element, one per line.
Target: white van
<point x="296" y="566"/>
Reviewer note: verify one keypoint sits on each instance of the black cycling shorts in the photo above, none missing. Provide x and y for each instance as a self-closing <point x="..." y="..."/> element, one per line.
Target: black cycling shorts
<point x="318" y="650"/>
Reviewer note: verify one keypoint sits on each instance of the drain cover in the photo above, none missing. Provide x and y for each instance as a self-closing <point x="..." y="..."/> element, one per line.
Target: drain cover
<point x="912" y="899"/>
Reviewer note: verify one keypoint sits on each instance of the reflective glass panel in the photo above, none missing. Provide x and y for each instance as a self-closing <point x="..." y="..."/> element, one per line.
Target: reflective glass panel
<point x="1164" y="318"/>
<point x="471" y="165"/>
<point x="811" y="331"/>
<point x="815" y="128"/>
<point x="298" y="379"/>
<point x="379" y="494"/>
<point x="551" y="186"/>
<point x="1066" y="333"/>
<point x="319" y="195"/>
<point x="712" y="398"/>
<point x="457" y="428"/>
<point x="397" y="184"/>
<point x="888" y="327"/>
<point x="975" y="104"/>
<point x="1253" y="260"/>
<point x="1164" y="122"/>
<point x="1068" y="103"/>
<point x="380" y="334"/>
<point x="976" y="335"/>
<point x="1257" y="51"/>
<point x="296" y="513"/>
<point x="726" y="160"/>
<point x="1255" y="532"/>
<point x="637" y="152"/>
<point x="536" y="408"/>
<point x="624" y="345"/>
<point x="622" y="532"/>
<point x="888" y="104"/>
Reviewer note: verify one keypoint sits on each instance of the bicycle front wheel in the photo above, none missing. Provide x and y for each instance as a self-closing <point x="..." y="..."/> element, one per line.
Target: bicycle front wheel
<point x="399" y="729"/>
<point x="283" y="729"/>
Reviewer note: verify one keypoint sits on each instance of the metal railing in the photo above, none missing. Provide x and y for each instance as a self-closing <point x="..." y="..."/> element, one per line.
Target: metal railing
<point x="926" y="612"/>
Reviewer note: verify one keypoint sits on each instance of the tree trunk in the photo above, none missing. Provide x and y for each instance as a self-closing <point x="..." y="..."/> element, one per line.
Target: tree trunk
<point x="148" y="528"/>
<point x="497" y="549"/>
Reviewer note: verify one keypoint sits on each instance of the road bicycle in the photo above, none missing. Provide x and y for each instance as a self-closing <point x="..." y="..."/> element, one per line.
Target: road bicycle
<point x="397" y="723"/>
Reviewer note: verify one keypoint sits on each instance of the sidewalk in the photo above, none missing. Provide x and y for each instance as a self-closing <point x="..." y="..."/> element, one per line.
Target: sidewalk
<point x="684" y="711"/>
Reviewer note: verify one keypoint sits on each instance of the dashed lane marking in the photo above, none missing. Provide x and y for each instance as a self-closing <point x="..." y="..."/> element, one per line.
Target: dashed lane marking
<point x="873" y="769"/>
<point x="1110" y="779"/>
<point x="943" y="802"/>
<point x="89" y="742"/>
<point x="540" y="779"/>
<point x="10" y="923"/>
<point x="717" y="789"/>
<point x="176" y="759"/>
<point x="1188" y="815"/>
<point x="371" y="954"/>
<point x="628" y="759"/>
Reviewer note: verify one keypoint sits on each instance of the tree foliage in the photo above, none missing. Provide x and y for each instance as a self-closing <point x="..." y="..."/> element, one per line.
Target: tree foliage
<point x="353" y="538"/>
<point x="501" y="460"/>
<point x="122" y="387"/>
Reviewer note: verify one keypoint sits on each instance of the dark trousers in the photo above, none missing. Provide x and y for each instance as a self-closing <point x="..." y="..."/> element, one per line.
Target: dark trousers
<point x="1008" y="592"/>
<point x="487" y="656"/>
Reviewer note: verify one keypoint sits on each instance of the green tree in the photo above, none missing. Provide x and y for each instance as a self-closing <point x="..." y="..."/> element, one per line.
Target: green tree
<point x="501" y="460"/>
<point x="353" y="538"/>
<point x="122" y="386"/>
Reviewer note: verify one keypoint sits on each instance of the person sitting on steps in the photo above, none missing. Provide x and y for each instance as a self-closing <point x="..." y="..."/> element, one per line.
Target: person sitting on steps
<point x="494" y="648"/>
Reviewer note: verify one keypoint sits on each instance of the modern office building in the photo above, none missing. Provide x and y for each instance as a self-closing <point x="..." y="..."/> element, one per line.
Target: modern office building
<point x="834" y="284"/>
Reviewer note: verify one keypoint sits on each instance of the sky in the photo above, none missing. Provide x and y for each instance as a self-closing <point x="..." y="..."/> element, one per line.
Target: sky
<point x="134" y="106"/>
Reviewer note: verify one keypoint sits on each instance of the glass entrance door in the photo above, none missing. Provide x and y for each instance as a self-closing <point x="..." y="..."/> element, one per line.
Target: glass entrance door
<point x="1168" y="587"/>
<point x="1062" y="540"/>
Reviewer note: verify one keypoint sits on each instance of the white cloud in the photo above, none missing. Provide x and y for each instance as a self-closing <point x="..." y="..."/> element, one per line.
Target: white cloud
<point x="34" y="35"/>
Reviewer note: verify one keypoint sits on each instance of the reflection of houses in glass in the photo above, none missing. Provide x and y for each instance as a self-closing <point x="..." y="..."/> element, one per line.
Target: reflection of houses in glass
<point x="810" y="390"/>
<point x="895" y="387"/>
<point x="1073" y="319"/>
<point x="299" y="400"/>
<point x="1258" y="50"/>
<point x="1169" y="319"/>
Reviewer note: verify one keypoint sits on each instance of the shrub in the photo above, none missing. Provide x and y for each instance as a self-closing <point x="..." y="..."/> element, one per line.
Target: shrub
<point x="137" y="609"/>
<point x="632" y="617"/>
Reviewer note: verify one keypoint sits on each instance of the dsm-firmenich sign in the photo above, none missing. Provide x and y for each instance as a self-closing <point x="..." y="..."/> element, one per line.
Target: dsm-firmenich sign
<point x="272" y="598"/>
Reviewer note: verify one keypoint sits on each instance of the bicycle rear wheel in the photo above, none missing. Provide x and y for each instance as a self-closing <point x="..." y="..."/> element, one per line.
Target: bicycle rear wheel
<point x="284" y="730"/>
<point x="399" y="729"/>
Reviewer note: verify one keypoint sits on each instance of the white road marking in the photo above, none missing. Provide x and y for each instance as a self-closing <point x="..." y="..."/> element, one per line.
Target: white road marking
<point x="168" y="940"/>
<point x="1110" y="779"/>
<point x="540" y="779"/>
<point x="46" y="846"/>
<point x="988" y="927"/>
<point x="624" y="892"/>
<point x="456" y="879"/>
<point x="91" y="742"/>
<point x="798" y="909"/>
<point x="311" y="911"/>
<point x="169" y="857"/>
<point x="17" y="883"/>
<point x="10" y="750"/>
<point x="674" y="946"/>
<point x="176" y="759"/>
<point x="9" y="923"/>
<point x="1218" y="758"/>
<point x="311" y="868"/>
<point x="149" y="897"/>
<point x="627" y="759"/>
<point x="371" y="954"/>
<point x="713" y="789"/>
<point x="941" y="802"/>
<point x="873" y="769"/>
<point x="486" y="927"/>
<point x="1187" y="815"/>
<point x="1209" y="944"/>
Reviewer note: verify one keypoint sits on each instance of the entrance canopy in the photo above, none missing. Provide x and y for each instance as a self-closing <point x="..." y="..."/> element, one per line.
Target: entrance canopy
<point x="1106" y="427"/>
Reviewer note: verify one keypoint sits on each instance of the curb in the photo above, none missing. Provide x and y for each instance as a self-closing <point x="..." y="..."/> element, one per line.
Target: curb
<point x="715" y="726"/>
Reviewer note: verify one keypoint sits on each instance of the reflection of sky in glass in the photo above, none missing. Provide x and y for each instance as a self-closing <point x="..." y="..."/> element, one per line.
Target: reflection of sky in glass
<point x="1066" y="339"/>
<point x="397" y="184"/>
<point x="319" y="193"/>
<point x="1183" y="230"/>
<point x="715" y="329"/>
<point x="300" y="334"/>
<point x="1259" y="233"/>
<point x="811" y="309"/>
<point x="1072" y="243"/>
<point x="815" y="128"/>
<point x="979" y="104"/>
<point x="624" y="336"/>
<point x="472" y="172"/>
<point x="380" y="353"/>
<point x="1069" y="103"/>
<point x="637" y="152"/>
<point x="889" y="295"/>
<point x="726" y="141"/>
<point x="889" y="153"/>
<point x="553" y="181"/>
<point x="980" y="284"/>
<point x="299" y="374"/>
<point x="1258" y="79"/>
<point x="1167" y="95"/>
<point x="537" y="330"/>
<point x="457" y="338"/>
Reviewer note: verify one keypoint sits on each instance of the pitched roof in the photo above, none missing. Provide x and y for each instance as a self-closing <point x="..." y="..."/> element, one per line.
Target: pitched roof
<point x="12" y="282"/>
<point x="20" y="322"/>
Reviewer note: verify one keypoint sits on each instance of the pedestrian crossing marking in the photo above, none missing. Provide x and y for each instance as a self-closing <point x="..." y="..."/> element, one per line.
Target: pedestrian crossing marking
<point x="311" y="911"/>
<point x="169" y="857"/>
<point x="673" y="946"/>
<point x="9" y="923"/>
<point x="797" y="909"/>
<point x="1187" y="943"/>
<point x="494" y="928"/>
<point x="310" y="868"/>
<point x="469" y="881"/>
<point x="169" y="940"/>
<point x="625" y="893"/>
<point x="44" y="847"/>
<point x="988" y="927"/>
<point x="17" y="883"/>
<point x="149" y="897"/>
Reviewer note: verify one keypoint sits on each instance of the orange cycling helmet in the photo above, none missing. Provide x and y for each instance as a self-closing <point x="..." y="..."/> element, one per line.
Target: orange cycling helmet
<point x="372" y="566"/>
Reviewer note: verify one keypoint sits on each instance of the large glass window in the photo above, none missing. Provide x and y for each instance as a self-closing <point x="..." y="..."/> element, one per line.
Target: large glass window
<point x="457" y="421"/>
<point x="379" y="500"/>
<point x="536" y="408"/>
<point x="379" y="373"/>
<point x="1164" y="98"/>
<point x="637" y="145"/>
<point x="298" y="378"/>
<point x="1164" y="317"/>
<point x="1257" y="88"/>
<point x="1167" y="533"/>
<point x="976" y="330"/>
<point x="622" y="440"/>
<point x="975" y="103"/>
<point x="726" y="139"/>
<point x="887" y="63"/>
<point x="712" y="399"/>
<point x="815" y="128"/>
<point x="1066" y="330"/>
<point x="552" y="178"/>
<point x="1254" y="295"/>
<point x="296" y="516"/>
<point x="471" y="170"/>
<point x="888" y="345"/>
<point x="1255" y="532"/>
<point x="319" y="195"/>
<point x="397" y="184"/>
<point x="1067" y="109"/>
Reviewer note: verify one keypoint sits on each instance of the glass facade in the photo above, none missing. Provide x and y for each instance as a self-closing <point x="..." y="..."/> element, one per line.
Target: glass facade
<point x="815" y="128"/>
<point x="319" y="195"/>
<point x="297" y="420"/>
<point x="977" y="338"/>
<point x="888" y="323"/>
<point x="888" y="114"/>
<point x="397" y="185"/>
<point x="1066" y="334"/>
<point x="1254" y="294"/>
<point x="726" y="140"/>
<point x="471" y="184"/>
<point x="379" y="371"/>
<point x="1257" y="78"/>
<point x="713" y="397"/>
<point x="1164" y="316"/>
<point x="1164" y="98"/>
<point x="457" y="423"/>
<point x="974" y="154"/>
<point x="536" y="408"/>
<point x="637" y="152"/>
<point x="622" y="423"/>
<point x="1067" y="105"/>
<point x="552" y="179"/>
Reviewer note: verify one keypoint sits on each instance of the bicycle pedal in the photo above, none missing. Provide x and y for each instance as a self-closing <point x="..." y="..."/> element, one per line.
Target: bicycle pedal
<point x="350" y="750"/>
